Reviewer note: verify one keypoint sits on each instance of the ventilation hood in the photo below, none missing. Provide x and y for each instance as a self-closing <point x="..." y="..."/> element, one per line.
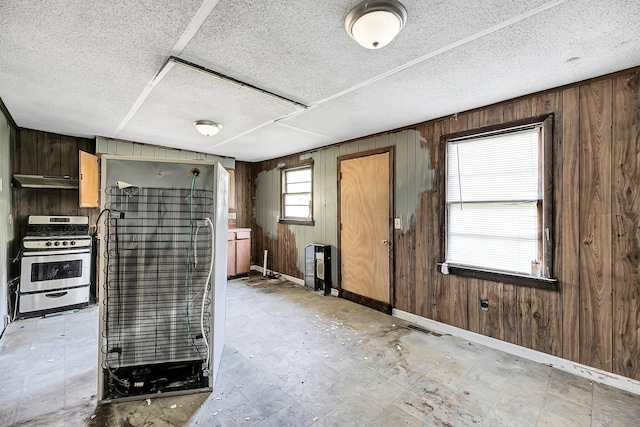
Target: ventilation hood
<point x="41" y="181"/>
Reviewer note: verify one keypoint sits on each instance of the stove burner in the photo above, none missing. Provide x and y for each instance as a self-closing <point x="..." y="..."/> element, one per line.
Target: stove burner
<point x="57" y="232"/>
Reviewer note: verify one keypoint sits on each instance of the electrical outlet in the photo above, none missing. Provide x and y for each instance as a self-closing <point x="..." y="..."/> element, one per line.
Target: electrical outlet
<point x="397" y="223"/>
<point x="232" y="215"/>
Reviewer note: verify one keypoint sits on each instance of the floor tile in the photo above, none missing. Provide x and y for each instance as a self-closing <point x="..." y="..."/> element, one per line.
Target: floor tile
<point x="570" y="387"/>
<point x="294" y="358"/>
<point x="558" y="411"/>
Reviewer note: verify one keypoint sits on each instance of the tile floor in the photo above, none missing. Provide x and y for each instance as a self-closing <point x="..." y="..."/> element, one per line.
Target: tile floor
<point x="294" y="358"/>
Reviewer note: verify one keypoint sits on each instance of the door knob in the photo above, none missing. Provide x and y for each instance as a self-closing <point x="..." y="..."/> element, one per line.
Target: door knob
<point x="385" y="242"/>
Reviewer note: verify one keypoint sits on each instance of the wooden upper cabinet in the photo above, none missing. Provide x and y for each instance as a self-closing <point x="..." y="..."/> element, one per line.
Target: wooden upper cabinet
<point x="89" y="182"/>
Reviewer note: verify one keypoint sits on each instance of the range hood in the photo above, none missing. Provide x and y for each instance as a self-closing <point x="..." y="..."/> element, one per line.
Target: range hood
<point x="41" y="181"/>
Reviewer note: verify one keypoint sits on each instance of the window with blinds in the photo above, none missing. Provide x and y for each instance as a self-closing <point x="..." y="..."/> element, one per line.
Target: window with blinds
<point x="297" y="194"/>
<point x="495" y="197"/>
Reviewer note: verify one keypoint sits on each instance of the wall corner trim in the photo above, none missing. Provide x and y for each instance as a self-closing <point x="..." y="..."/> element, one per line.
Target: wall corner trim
<point x="588" y="372"/>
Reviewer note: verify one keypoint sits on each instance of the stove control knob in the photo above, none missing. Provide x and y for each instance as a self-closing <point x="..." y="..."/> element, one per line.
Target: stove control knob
<point x="48" y="243"/>
<point x="73" y="243"/>
<point x="57" y="243"/>
<point x="64" y="243"/>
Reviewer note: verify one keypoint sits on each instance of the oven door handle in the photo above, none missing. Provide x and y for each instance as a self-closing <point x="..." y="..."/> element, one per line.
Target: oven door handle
<point x="56" y="295"/>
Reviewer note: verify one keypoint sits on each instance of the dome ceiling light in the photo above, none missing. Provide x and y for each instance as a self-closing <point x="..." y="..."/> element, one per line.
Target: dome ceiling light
<point x="375" y="23"/>
<point x="207" y="127"/>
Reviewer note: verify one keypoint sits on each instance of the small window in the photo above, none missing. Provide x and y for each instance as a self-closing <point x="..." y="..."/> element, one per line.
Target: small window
<point x="498" y="201"/>
<point x="296" y="206"/>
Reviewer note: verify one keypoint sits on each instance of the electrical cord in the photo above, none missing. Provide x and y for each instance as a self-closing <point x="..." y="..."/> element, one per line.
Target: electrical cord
<point x="15" y="304"/>
<point x="206" y="290"/>
<point x="95" y="233"/>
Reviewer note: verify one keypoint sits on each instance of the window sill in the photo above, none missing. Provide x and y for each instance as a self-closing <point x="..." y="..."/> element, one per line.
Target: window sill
<point x="509" y="278"/>
<point x="297" y="221"/>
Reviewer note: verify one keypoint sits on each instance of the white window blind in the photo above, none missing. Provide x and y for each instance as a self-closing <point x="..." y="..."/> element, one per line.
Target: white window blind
<point x="297" y="187"/>
<point x="493" y="195"/>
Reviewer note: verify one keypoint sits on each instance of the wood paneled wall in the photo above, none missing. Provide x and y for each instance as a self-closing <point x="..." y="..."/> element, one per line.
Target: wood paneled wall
<point x="245" y="194"/>
<point x="594" y="318"/>
<point x="42" y="153"/>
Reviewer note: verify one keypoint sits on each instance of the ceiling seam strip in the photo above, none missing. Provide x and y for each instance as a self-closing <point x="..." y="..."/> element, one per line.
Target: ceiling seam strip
<point x="235" y="81"/>
<point x="279" y="123"/>
<point x="194" y="26"/>
<point x="447" y="48"/>
<point x="196" y="22"/>
<point x="143" y="96"/>
<point x="243" y="133"/>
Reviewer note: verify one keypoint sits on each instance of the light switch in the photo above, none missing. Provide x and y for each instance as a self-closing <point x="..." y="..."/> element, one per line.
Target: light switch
<point x="397" y="223"/>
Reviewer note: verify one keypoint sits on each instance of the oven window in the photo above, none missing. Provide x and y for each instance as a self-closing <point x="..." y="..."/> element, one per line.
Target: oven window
<point x="43" y="271"/>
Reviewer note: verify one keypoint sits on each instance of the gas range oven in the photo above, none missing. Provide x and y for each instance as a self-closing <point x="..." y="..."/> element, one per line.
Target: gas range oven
<point x="55" y="269"/>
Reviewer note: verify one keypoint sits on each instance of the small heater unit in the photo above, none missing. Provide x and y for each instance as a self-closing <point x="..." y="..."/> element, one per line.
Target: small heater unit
<point x="317" y="276"/>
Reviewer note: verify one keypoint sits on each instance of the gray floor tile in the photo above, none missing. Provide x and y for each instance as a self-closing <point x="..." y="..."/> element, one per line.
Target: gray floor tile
<point x="572" y="388"/>
<point x="558" y="411"/>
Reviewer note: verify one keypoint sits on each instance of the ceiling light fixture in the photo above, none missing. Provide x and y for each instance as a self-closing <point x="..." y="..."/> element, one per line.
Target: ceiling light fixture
<point x="375" y="23"/>
<point x="207" y="127"/>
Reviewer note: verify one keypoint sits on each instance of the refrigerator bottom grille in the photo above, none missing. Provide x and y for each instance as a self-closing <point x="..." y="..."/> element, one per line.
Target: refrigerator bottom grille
<point x="152" y="379"/>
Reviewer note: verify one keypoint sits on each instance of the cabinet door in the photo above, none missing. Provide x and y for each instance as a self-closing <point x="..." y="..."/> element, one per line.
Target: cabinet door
<point x="89" y="183"/>
<point x="231" y="258"/>
<point x="243" y="256"/>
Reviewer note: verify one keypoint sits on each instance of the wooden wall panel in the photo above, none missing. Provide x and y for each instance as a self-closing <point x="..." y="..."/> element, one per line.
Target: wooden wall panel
<point x="595" y="225"/>
<point x="594" y="316"/>
<point x="423" y="256"/>
<point x="43" y="153"/>
<point x="510" y="317"/>
<point x="626" y="227"/>
<point x="245" y="191"/>
<point x="490" y="320"/>
<point x="546" y="332"/>
<point x="407" y="149"/>
<point x="568" y="205"/>
<point x="439" y="283"/>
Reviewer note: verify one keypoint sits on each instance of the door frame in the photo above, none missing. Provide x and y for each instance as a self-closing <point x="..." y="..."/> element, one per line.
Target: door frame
<point x="384" y="307"/>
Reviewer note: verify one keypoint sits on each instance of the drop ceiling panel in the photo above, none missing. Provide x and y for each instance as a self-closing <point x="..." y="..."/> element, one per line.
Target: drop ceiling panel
<point x="554" y="48"/>
<point x="184" y="95"/>
<point x="271" y="141"/>
<point x="301" y="50"/>
<point x="76" y="67"/>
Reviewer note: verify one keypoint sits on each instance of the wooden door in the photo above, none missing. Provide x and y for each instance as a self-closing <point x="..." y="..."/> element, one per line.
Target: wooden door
<point x="365" y="226"/>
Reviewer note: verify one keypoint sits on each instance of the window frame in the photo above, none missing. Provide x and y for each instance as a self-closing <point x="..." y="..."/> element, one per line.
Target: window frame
<point x="546" y="236"/>
<point x="295" y="220"/>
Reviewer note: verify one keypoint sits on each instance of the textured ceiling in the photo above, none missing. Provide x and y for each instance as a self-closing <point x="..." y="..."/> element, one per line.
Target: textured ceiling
<point x="87" y="68"/>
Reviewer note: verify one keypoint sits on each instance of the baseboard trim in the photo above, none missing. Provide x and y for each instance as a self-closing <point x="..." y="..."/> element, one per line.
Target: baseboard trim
<point x="588" y="372"/>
